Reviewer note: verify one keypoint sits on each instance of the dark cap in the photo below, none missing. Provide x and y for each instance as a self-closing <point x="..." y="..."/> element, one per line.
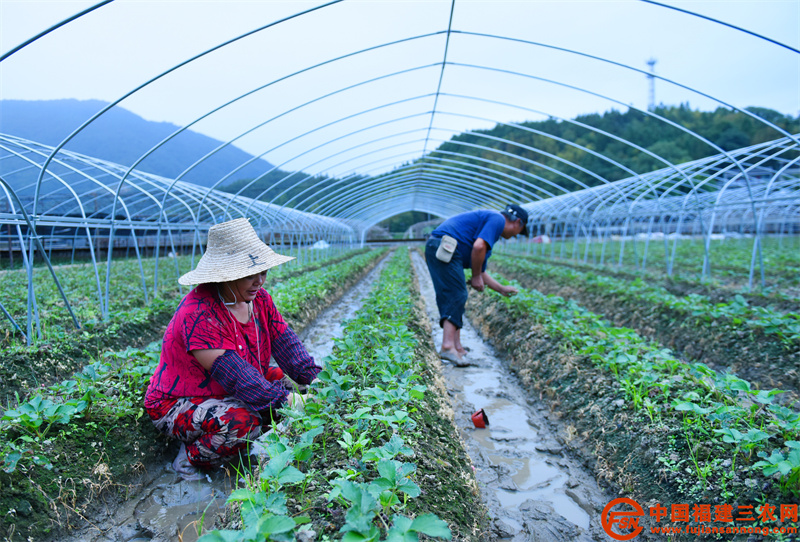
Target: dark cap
<point x="513" y="212"/>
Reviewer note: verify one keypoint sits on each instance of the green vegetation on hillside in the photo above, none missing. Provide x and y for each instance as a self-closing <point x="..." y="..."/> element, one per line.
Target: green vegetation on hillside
<point x="557" y="144"/>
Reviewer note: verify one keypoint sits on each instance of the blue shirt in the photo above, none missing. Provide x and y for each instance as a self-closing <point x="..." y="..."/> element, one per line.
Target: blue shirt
<point x="468" y="227"/>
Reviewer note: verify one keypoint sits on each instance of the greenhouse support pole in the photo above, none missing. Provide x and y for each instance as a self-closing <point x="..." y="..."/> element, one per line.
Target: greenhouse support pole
<point x="552" y="243"/>
<point x="13" y="322"/>
<point x="622" y="240"/>
<point x="665" y="232"/>
<point x="605" y="236"/>
<point x="50" y="249"/>
<point x="74" y="242"/>
<point x="647" y="244"/>
<point x="10" y="250"/>
<point x="674" y="252"/>
<point x="31" y="296"/>
<point x="175" y="259"/>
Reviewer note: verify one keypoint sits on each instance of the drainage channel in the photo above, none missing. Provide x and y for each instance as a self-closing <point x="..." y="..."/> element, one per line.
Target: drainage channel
<point x="166" y="508"/>
<point x="531" y="487"/>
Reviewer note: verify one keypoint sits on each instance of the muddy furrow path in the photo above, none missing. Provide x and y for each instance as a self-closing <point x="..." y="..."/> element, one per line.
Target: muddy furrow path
<point x="168" y="509"/>
<point x="532" y="488"/>
<point x="318" y="336"/>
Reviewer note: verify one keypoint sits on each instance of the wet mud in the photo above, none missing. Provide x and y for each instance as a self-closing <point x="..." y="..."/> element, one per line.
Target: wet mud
<point x="533" y="489"/>
<point x="166" y="508"/>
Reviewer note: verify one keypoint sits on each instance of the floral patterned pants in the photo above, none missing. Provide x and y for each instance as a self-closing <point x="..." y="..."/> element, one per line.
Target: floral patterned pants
<point x="213" y="429"/>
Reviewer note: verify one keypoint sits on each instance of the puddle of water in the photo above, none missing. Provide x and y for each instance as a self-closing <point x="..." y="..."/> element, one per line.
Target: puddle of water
<point x="564" y="505"/>
<point x="510" y="465"/>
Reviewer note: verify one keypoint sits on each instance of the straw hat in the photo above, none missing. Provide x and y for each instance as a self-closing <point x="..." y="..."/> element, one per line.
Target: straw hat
<point x="234" y="251"/>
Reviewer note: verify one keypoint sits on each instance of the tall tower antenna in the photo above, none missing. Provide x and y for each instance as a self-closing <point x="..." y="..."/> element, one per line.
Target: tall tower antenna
<point x="651" y="99"/>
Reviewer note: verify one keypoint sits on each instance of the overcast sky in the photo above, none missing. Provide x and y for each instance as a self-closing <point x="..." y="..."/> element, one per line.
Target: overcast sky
<point x="118" y="47"/>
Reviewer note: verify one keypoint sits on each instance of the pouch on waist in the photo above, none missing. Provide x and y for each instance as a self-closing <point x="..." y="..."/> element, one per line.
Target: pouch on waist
<point x="447" y="247"/>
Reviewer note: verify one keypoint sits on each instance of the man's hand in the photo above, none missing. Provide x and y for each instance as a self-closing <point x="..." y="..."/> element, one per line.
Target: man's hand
<point x="477" y="282"/>
<point x="509" y="291"/>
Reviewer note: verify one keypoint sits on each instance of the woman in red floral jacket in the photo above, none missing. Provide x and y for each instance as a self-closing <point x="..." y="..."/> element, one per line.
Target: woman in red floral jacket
<point x="214" y="384"/>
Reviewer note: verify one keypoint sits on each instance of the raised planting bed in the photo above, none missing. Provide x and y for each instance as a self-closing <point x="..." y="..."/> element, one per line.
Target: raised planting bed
<point x="84" y="443"/>
<point x="659" y="430"/>
<point x="757" y="343"/>
<point x="375" y="454"/>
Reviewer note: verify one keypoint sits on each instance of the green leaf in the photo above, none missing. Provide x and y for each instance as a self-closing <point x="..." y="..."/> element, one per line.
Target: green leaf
<point x="290" y="475"/>
<point x="404" y="469"/>
<point x="377" y="486"/>
<point x="730" y="435"/>
<point x="400" y="531"/>
<point x="222" y="536"/>
<point x="388" y="469"/>
<point x="368" y="535"/>
<point x="409" y="488"/>
<point x="739" y="385"/>
<point x="276" y="524"/>
<point x="359" y="413"/>
<point x="10" y="461"/>
<point x="756" y="435"/>
<point x="417" y="392"/>
<point x="691" y="407"/>
<point x="242" y="495"/>
<point x="431" y="525"/>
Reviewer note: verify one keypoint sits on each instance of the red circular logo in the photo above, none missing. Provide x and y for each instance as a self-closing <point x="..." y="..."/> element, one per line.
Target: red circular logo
<point x="626" y="521"/>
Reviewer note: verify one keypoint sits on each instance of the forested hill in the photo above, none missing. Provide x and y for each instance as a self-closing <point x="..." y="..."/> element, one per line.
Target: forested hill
<point x="726" y="129"/>
<point x="122" y="137"/>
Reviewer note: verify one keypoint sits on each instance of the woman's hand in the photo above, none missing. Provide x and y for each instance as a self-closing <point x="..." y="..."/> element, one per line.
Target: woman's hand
<point x="296" y="400"/>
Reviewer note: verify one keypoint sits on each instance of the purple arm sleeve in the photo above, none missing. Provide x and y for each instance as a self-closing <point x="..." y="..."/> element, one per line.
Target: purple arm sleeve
<point x="244" y="382"/>
<point x="293" y="357"/>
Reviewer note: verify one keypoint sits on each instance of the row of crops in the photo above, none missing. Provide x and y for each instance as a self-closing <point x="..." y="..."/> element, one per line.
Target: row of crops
<point x="727" y="332"/>
<point x="72" y="436"/>
<point x="656" y="423"/>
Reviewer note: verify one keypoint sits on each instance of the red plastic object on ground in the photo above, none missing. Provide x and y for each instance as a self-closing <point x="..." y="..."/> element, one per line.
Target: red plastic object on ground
<point x="480" y="419"/>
